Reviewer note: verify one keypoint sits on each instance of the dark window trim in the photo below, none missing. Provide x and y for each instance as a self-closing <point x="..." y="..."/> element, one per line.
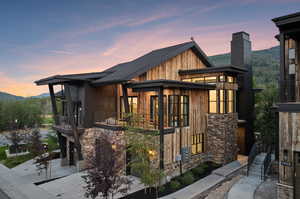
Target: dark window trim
<point x="171" y="120"/>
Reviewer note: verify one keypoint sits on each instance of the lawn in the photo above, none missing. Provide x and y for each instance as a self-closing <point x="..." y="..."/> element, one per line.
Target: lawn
<point x="2" y="152"/>
<point x="177" y="183"/>
<point x="14" y="161"/>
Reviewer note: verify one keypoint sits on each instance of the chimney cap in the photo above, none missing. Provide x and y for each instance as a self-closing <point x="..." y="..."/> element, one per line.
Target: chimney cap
<point x="241" y="34"/>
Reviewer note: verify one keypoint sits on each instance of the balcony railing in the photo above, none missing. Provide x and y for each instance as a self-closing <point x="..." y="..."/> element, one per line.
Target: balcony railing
<point x="131" y="120"/>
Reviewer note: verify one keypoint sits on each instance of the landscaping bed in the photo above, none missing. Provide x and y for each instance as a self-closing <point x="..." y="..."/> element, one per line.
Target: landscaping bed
<point x="176" y="183"/>
<point x="14" y="161"/>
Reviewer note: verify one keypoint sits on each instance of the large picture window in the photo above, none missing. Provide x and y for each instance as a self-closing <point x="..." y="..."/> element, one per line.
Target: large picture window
<point x="221" y="101"/>
<point x="132" y="100"/>
<point x="197" y="143"/>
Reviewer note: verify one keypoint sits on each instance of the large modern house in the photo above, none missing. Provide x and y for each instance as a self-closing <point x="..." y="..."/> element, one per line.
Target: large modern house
<point x="202" y="112"/>
<point x="289" y="106"/>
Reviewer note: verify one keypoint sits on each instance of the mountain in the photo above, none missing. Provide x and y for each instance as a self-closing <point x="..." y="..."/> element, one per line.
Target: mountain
<point x="41" y="95"/>
<point x="6" y="96"/>
<point x="265" y="64"/>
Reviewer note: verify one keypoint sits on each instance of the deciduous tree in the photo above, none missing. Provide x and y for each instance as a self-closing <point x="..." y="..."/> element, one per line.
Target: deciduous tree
<point x="105" y="173"/>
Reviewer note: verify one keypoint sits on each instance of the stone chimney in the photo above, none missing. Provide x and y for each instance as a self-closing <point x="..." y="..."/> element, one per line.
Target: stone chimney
<point x="241" y="57"/>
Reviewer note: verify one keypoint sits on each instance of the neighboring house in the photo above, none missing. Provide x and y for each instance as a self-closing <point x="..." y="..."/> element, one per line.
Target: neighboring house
<point x="289" y="106"/>
<point x="202" y="112"/>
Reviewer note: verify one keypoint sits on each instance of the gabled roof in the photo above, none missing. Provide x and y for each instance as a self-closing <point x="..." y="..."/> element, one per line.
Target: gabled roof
<point x="126" y="71"/>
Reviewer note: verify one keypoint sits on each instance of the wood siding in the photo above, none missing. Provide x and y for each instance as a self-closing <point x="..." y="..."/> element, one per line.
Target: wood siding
<point x="170" y="68"/>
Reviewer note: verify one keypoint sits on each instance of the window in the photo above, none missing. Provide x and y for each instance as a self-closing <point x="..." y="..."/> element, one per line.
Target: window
<point x="211" y="80"/>
<point x="213" y="101"/>
<point x="184" y="110"/>
<point x="154" y="109"/>
<point x="230" y="79"/>
<point x="197" y="143"/>
<point x="132" y="100"/>
<point x="174" y="110"/>
<point x="230" y="101"/>
<point x="221" y="78"/>
<point x="199" y="80"/>
<point x="222" y="101"/>
<point x="178" y="110"/>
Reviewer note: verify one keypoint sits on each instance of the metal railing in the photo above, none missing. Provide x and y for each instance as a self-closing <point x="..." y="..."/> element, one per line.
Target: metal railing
<point x="266" y="163"/>
<point x="132" y="120"/>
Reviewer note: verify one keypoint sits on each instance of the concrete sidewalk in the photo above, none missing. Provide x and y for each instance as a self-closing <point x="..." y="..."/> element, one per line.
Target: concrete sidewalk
<point x="244" y="188"/>
<point x="12" y="186"/>
<point x="72" y="187"/>
<point x="28" y="171"/>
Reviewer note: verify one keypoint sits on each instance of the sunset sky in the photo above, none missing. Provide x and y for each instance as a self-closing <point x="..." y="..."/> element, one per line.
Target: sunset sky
<point x="42" y="38"/>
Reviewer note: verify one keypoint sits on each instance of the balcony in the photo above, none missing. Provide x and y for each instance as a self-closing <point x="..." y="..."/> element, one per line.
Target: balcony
<point x="65" y="128"/>
<point x="138" y="122"/>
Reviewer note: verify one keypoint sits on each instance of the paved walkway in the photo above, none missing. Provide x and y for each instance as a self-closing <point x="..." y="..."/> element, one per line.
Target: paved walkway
<point x="246" y="186"/>
<point x="72" y="187"/>
<point x="29" y="171"/>
<point x="266" y="190"/>
<point x="12" y="186"/>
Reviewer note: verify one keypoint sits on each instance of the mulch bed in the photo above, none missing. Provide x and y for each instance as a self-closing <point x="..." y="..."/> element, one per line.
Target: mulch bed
<point x="166" y="188"/>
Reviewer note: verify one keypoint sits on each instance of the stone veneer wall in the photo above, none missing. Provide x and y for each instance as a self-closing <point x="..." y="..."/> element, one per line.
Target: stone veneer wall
<point x="221" y="137"/>
<point x="173" y="169"/>
<point x="285" y="192"/>
<point x="90" y="135"/>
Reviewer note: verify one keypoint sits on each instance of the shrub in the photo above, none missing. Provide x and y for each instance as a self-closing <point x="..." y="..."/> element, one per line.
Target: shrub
<point x="204" y="166"/>
<point x="198" y="171"/>
<point x="161" y="189"/>
<point x="174" y="185"/>
<point x="187" y="178"/>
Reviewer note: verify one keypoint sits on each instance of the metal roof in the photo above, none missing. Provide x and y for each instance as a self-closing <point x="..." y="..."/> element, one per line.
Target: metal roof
<point x="126" y="71"/>
<point x="71" y="77"/>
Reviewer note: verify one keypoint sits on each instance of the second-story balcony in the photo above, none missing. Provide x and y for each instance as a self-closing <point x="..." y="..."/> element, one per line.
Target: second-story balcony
<point x="65" y="127"/>
<point x="136" y="121"/>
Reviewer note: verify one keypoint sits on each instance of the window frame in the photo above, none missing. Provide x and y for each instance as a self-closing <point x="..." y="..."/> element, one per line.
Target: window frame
<point x="198" y="143"/>
<point x="179" y="119"/>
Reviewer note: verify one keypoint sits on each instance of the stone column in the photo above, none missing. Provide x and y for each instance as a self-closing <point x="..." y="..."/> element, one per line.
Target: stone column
<point x="221" y="137"/>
